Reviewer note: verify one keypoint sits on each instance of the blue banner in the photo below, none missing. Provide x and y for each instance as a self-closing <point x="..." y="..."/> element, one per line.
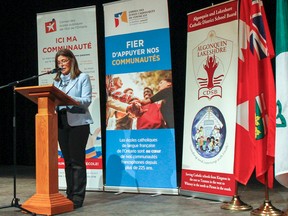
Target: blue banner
<point x="140" y="136"/>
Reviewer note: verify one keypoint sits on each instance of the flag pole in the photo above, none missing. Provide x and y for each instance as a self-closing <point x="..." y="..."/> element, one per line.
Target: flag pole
<point x="236" y="204"/>
<point x="267" y="208"/>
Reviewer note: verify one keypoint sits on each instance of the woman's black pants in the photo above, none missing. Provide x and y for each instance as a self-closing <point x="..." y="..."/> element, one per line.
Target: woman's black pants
<point x="72" y="141"/>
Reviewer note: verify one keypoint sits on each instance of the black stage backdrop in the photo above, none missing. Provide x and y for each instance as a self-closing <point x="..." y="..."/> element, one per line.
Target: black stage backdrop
<point x="19" y="61"/>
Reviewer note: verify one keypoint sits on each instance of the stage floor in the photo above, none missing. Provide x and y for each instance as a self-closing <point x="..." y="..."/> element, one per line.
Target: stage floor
<point x="125" y="204"/>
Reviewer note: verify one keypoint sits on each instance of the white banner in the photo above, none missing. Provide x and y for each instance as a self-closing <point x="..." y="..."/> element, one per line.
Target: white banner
<point x="74" y="29"/>
<point x="210" y="101"/>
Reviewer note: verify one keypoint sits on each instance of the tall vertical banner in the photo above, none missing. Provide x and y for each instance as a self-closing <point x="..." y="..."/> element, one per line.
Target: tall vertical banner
<point x="210" y="102"/>
<point x="140" y="138"/>
<point x="74" y="29"/>
<point x="281" y="150"/>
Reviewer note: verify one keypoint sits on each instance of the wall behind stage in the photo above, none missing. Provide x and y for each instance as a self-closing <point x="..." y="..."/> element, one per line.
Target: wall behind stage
<point x="19" y="61"/>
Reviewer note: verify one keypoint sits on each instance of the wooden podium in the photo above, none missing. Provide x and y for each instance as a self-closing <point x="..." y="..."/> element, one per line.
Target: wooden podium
<point x="47" y="200"/>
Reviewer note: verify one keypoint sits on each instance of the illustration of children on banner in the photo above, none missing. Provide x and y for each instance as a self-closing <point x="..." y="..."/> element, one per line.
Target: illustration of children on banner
<point x="208" y="132"/>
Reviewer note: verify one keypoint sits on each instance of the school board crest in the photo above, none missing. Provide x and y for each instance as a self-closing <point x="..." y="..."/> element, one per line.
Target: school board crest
<point x="211" y="59"/>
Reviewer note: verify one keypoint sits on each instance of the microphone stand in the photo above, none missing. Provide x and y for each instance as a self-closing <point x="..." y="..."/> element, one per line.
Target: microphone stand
<point x="15" y="201"/>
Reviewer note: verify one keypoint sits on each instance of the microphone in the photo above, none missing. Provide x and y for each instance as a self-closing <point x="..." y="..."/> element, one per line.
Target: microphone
<point x="55" y="70"/>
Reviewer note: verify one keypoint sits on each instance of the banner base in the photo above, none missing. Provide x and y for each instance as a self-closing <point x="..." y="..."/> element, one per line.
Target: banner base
<point x="215" y="197"/>
<point x="160" y="191"/>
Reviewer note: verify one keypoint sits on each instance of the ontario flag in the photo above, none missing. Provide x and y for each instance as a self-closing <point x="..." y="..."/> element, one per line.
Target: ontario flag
<point x="256" y="96"/>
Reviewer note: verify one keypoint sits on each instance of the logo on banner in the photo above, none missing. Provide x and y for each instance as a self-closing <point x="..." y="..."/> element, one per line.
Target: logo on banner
<point x="133" y="17"/>
<point x="50" y="26"/>
<point x="208" y="132"/>
<point x="211" y="60"/>
<point x="120" y="17"/>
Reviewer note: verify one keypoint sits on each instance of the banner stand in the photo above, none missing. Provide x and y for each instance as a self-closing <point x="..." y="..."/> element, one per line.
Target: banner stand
<point x="142" y="190"/>
<point x="140" y="148"/>
<point x="211" y="104"/>
<point x="75" y="29"/>
<point x="207" y="196"/>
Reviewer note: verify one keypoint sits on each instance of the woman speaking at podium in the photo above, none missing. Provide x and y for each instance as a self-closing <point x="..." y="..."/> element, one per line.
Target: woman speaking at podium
<point x="73" y="123"/>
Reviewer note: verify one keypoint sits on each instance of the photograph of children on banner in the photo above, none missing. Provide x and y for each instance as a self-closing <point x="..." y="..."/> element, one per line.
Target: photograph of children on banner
<point x="142" y="100"/>
<point x="208" y="132"/>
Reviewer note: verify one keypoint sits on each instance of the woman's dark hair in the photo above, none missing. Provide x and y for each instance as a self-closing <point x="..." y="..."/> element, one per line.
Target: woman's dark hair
<point x="75" y="71"/>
